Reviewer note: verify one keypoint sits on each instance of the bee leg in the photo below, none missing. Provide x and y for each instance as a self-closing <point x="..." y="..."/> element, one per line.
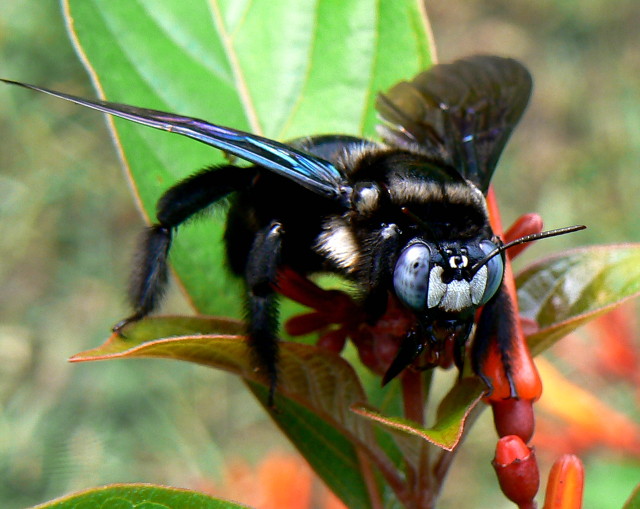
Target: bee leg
<point x="410" y="348"/>
<point x="496" y="325"/>
<point x="384" y="249"/>
<point x="262" y="305"/>
<point x="149" y="276"/>
<point x="190" y="196"/>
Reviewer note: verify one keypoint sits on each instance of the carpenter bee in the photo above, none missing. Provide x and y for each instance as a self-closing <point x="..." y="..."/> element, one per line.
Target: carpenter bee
<point x="405" y="218"/>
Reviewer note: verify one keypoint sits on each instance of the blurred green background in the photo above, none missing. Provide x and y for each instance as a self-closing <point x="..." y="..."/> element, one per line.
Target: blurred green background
<point x="68" y="225"/>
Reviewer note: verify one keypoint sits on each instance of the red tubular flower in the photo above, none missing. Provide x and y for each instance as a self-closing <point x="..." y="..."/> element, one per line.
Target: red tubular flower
<point x="526" y="224"/>
<point x="514" y="417"/>
<point x="616" y="353"/>
<point x="331" y="307"/>
<point x="517" y="470"/>
<point x="337" y="317"/>
<point x="378" y="344"/>
<point x="566" y="482"/>
<point x="279" y="481"/>
<point x="577" y="419"/>
<point x="524" y="379"/>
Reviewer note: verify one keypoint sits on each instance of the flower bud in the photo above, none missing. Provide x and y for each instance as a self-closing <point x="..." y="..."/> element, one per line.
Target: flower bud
<point x="517" y="470"/>
<point x="521" y="380"/>
<point x="514" y="417"/>
<point x="566" y="482"/>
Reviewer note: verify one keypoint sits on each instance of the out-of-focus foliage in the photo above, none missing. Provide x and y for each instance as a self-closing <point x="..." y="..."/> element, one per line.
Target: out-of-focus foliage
<point x="67" y="225"/>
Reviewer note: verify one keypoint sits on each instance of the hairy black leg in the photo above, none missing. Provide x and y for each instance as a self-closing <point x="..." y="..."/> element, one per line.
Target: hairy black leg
<point x="177" y="204"/>
<point x="199" y="191"/>
<point x="384" y="250"/>
<point x="411" y="347"/>
<point x="262" y="306"/>
<point x="149" y="277"/>
<point x="496" y="324"/>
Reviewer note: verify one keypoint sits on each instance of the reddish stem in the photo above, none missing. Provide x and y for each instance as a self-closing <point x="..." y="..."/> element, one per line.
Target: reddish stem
<point x="369" y="478"/>
<point x="413" y="395"/>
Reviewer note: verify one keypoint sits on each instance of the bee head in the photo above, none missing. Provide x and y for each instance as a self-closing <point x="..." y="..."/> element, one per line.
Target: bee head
<point x="455" y="276"/>
<point x="447" y="276"/>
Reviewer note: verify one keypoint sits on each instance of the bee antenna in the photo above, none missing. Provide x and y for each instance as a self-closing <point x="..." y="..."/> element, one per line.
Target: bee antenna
<point x="523" y="240"/>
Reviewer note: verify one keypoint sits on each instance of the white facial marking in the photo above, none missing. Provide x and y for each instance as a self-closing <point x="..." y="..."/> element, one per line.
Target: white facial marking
<point x="437" y="288"/>
<point x="478" y="285"/>
<point x="457" y="297"/>
<point x="458" y="294"/>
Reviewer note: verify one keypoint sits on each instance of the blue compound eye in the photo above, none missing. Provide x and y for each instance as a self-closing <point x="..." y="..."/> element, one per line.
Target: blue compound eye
<point x="411" y="276"/>
<point x="495" y="271"/>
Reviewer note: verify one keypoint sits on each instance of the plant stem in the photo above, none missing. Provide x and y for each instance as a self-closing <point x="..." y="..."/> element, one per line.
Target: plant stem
<point x="372" y="487"/>
<point x="413" y="395"/>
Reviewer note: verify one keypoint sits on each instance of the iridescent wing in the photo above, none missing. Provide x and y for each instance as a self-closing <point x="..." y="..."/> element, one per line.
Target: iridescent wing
<point x="311" y="172"/>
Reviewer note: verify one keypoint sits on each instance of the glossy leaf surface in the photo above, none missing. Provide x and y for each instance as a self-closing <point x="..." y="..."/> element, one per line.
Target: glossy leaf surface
<point x="564" y="291"/>
<point x="447" y="429"/>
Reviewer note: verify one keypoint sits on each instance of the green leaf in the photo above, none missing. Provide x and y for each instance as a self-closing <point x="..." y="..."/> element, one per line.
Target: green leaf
<point x="138" y="496"/>
<point x="322" y="380"/>
<point x="567" y="290"/>
<point x="282" y="69"/>
<point x="445" y="432"/>
<point x="317" y="389"/>
<point x="332" y="454"/>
